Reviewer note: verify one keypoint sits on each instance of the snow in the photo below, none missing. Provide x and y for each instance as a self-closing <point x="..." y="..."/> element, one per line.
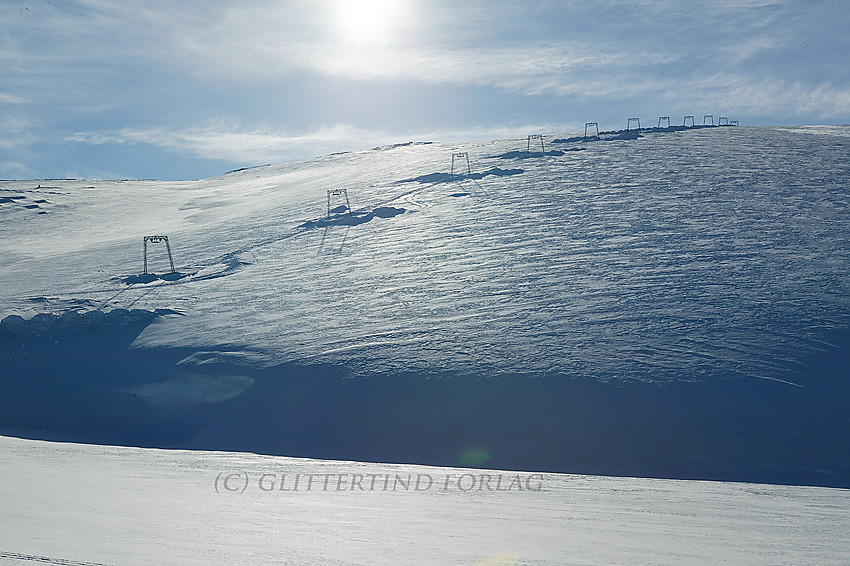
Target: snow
<point x="73" y="503"/>
<point x="671" y="304"/>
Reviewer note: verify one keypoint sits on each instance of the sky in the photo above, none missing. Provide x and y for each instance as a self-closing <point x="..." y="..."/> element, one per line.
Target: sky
<point x="155" y="89"/>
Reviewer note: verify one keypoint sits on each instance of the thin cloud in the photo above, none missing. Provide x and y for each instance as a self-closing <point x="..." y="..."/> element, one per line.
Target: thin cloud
<point x="252" y="145"/>
<point x="673" y="53"/>
<point x="7" y="98"/>
<point x="232" y="143"/>
<point x="14" y="170"/>
<point x="16" y="131"/>
<point x="116" y="71"/>
<point x="608" y="54"/>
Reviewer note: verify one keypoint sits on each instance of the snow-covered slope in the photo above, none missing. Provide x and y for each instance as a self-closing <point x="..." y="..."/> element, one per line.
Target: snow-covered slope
<point x="673" y="304"/>
<point x="83" y="505"/>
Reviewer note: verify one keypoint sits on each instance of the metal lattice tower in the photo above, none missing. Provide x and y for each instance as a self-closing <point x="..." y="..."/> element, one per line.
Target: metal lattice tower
<point x="534" y="137"/>
<point x="591" y="124"/>
<point x="464" y="155"/>
<point x="685" y="121"/>
<point x="338" y="192"/>
<point x="707" y="116"/>
<point x="629" y="125"/>
<point x="663" y="118"/>
<point x="154" y="240"/>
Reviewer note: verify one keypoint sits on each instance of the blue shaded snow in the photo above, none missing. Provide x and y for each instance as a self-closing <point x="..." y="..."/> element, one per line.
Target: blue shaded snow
<point x="341" y="216"/>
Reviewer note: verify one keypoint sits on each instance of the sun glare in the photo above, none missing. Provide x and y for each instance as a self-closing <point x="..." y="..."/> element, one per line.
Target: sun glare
<point x="366" y="21"/>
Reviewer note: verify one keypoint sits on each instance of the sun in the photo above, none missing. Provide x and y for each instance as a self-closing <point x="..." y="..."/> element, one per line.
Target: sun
<point x="366" y="22"/>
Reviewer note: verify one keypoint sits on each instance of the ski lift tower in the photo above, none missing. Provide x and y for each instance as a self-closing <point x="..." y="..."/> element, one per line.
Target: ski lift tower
<point x="535" y="137"/>
<point x="336" y="193"/>
<point x="154" y="240"/>
<point x="589" y="125"/>
<point x="461" y="155"/>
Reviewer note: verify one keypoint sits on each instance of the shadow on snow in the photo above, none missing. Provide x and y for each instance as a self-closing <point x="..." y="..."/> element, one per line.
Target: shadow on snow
<point x="339" y="217"/>
<point x="453" y="177"/>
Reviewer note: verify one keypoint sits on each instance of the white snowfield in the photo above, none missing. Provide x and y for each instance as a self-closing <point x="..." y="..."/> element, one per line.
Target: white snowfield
<point x="75" y="504"/>
<point x="674" y="304"/>
<point x="667" y="253"/>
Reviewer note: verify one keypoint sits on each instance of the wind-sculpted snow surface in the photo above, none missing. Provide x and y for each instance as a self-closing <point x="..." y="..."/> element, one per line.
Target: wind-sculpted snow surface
<point x="72" y="321"/>
<point x="671" y="304"/>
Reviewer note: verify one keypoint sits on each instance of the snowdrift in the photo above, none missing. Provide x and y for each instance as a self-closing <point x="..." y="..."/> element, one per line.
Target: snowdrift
<point x="666" y="304"/>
